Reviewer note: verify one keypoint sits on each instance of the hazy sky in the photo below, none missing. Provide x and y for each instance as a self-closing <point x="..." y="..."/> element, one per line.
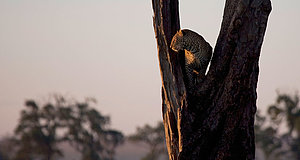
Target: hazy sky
<point x="106" y="49"/>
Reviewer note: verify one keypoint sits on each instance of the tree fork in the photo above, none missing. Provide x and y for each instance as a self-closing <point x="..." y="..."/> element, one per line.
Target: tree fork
<point x="216" y="121"/>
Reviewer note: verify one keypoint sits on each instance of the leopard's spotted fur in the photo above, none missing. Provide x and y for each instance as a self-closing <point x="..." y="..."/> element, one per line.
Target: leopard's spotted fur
<point x="198" y="53"/>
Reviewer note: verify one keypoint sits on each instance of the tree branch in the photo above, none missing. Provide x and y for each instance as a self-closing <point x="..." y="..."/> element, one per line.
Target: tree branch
<point x="216" y="121"/>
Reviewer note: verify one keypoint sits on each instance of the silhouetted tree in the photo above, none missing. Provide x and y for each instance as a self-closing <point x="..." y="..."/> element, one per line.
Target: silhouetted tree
<point x="40" y="129"/>
<point x="7" y="148"/>
<point x="267" y="138"/>
<point x="287" y="109"/>
<point x="215" y="121"/>
<point x="152" y="137"/>
<point x="88" y="131"/>
<point x="37" y="132"/>
<point x="284" y="114"/>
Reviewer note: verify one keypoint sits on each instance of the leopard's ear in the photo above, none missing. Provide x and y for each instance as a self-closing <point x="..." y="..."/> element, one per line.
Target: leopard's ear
<point x="180" y="33"/>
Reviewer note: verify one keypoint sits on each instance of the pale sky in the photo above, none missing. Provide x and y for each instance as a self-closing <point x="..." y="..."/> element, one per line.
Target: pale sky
<point x="106" y="49"/>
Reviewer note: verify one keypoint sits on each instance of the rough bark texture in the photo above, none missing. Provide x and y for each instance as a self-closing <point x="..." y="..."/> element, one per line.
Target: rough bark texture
<point x="216" y="122"/>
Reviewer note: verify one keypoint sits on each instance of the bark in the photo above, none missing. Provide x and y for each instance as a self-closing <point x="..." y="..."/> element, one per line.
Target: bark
<point x="215" y="122"/>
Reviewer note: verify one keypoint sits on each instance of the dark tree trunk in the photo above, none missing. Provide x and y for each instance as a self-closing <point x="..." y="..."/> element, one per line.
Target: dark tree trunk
<point x="216" y="122"/>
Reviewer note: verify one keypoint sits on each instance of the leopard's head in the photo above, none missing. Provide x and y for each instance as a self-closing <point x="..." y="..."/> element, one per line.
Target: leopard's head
<point x="177" y="43"/>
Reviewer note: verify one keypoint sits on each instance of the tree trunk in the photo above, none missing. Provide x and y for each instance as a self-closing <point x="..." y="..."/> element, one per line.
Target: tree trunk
<point x="215" y="122"/>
